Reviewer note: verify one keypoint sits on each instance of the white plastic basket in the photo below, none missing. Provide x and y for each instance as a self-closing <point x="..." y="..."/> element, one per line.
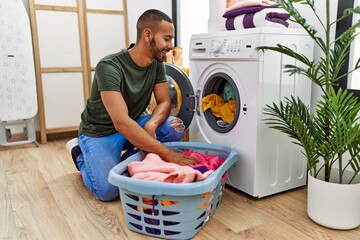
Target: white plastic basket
<point x="172" y="210"/>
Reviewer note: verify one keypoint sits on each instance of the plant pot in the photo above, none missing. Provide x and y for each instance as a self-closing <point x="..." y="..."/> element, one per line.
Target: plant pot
<point x="334" y="205"/>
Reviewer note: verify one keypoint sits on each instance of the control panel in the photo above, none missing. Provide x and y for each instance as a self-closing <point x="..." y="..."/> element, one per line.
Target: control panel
<point x="232" y="47"/>
<point x="228" y="45"/>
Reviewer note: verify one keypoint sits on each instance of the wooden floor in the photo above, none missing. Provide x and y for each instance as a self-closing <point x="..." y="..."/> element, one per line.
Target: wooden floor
<point x="42" y="196"/>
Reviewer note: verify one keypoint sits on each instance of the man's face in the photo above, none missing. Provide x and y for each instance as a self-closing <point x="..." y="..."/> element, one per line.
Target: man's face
<point x="161" y="43"/>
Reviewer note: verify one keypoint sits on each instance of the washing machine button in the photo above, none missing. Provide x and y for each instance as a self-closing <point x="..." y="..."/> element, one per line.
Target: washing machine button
<point x="217" y="47"/>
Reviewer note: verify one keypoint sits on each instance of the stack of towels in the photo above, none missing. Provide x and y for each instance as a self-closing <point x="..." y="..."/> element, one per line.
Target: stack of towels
<point x="255" y="13"/>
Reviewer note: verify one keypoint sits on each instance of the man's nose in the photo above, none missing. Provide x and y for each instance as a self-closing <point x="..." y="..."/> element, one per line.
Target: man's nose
<point x="170" y="45"/>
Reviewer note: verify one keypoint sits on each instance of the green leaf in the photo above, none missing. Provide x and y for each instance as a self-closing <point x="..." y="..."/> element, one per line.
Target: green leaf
<point x="332" y="133"/>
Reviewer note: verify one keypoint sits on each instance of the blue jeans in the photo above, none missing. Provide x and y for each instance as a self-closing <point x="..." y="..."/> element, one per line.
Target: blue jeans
<point x="100" y="154"/>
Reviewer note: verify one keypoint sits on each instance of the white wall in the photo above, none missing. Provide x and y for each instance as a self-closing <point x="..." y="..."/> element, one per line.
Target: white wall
<point x="137" y="7"/>
<point x="194" y="16"/>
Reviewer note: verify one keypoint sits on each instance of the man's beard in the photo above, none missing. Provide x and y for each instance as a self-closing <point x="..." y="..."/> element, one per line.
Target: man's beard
<point x="156" y="52"/>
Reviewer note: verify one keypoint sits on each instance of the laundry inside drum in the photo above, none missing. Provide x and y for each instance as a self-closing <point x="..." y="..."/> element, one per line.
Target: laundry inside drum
<point x="220" y="102"/>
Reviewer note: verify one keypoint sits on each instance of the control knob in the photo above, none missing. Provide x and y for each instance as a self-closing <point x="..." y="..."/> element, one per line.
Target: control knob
<point x="217" y="47"/>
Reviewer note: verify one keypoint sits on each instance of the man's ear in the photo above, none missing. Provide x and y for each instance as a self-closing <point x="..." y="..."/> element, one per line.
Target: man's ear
<point x="147" y="34"/>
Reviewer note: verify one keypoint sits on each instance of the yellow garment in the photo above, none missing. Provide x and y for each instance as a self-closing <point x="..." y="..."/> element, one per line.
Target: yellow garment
<point x="213" y="102"/>
<point x="228" y="111"/>
<point x="220" y="108"/>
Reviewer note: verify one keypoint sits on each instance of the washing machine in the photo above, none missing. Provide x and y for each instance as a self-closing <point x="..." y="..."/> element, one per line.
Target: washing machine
<point x="269" y="162"/>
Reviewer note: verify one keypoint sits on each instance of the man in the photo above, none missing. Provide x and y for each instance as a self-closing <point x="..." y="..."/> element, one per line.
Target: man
<point x="113" y="118"/>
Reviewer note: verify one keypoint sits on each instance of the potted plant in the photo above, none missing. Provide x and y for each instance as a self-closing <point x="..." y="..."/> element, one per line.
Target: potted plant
<point x="329" y="137"/>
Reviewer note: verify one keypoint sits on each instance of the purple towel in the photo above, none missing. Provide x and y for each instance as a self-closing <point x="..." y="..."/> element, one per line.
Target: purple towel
<point x="263" y="18"/>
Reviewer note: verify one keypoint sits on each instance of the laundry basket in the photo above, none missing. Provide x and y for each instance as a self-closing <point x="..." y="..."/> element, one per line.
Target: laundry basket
<point x="172" y="210"/>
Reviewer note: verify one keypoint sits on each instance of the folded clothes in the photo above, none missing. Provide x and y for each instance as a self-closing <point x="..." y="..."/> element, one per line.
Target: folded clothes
<point x="153" y="168"/>
<point x="246" y="10"/>
<point x="248" y="3"/>
<point x="264" y="18"/>
<point x="229" y="3"/>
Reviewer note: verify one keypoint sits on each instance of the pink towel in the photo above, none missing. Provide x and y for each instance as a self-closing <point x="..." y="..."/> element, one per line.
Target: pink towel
<point x="249" y="3"/>
<point x="210" y="161"/>
<point x="153" y="168"/>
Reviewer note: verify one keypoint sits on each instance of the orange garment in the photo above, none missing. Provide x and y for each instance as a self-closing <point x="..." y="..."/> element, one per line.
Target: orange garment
<point x="220" y="108"/>
<point x="228" y="111"/>
<point x="170" y="202"/>
<point x="213" y="102"/>
<point x="149" y="201"/>
<point x="206" y="202"/>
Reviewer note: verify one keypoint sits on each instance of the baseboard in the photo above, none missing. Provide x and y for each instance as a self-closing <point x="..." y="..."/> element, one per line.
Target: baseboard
<point x="50" y="136"/>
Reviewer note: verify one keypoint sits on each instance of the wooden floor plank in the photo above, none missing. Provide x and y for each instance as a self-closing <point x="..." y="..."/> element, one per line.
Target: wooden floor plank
<point x="237" y="213"/>
<point x="7" y="224"/>
<point x="44" y="197"/>
<point x="35" y="211"/>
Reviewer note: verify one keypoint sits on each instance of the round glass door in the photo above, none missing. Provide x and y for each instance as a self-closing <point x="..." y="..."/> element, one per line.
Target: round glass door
<point x="220" y="102"/>
<point x="181" y="94"/>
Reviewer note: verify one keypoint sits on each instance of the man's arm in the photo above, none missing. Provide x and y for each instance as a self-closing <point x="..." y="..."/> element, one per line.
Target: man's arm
<point x="162" y="109"/>
<point x="117" y="109"/>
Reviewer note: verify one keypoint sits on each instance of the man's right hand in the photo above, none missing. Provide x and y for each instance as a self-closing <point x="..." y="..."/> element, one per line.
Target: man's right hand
<point x="180" y="159"/>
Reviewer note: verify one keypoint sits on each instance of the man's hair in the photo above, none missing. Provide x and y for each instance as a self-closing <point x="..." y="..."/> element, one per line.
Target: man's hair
<point x="151" y="19"/>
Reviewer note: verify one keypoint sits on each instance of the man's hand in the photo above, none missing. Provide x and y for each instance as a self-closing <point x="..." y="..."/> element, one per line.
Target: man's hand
<point x="180" y="159"/>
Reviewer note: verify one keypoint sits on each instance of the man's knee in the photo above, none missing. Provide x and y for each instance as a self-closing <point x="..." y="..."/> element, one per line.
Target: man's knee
<point x="171" y="130"/>
<point x="177" y="124"/>
<point x="107" y="193"/>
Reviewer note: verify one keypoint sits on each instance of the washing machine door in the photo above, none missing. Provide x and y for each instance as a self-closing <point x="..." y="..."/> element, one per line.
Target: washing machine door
<point x="182" y="94"/>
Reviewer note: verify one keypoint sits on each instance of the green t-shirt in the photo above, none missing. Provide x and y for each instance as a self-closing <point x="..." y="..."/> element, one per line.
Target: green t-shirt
<point x="118" y="72"/>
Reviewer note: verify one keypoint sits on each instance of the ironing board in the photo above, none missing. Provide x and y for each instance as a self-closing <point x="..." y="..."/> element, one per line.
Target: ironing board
<point x="18" y="98"/>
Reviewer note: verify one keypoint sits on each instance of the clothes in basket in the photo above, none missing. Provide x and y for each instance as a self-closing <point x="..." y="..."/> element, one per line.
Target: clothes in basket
<point x="153" y="168"/>
<point x="168" y="210"/>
